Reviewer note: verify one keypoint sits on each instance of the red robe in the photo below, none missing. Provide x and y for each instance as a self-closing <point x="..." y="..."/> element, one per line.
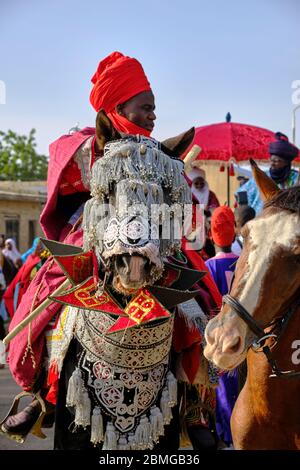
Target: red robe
<point x="50" y="276"/>
<point x="23" y="278"/>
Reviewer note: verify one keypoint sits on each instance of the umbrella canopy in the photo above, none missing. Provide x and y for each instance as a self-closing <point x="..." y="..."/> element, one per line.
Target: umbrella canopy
<point x="232" y="141"/>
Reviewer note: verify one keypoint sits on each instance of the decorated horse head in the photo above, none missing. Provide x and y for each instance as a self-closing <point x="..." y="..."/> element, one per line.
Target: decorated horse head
<point x="261" y="315"/>
<point x="134" y="218"/>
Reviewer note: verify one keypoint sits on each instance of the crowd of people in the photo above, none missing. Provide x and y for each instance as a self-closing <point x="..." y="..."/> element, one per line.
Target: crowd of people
<point x="121" y="89"/>
<point x="16" y="272"/>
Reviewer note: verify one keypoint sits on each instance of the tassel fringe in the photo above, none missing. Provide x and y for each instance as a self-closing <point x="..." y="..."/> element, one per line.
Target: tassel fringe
<point x="110" y="438"/>
<point x="143" y="434"/>
<point x="157" y="423"/>
<point x="78" y="397"/>
<point x="97" y="432"/>
<point x="165" y="407"/>
<point x="172" y="389"/>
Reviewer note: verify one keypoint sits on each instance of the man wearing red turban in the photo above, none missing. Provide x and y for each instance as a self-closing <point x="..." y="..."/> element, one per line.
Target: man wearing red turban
<point x="222" y="267"/>
<point x="121" y="90"/>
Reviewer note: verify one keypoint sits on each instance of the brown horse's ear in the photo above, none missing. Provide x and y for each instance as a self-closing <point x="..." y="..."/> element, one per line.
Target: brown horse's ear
<point x="176" y="146"/>
<point x="105" y="130"/>
<point x="265" y="184"/>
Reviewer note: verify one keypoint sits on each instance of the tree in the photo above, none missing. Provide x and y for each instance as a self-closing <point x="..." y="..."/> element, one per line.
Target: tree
<point x="19" y="160"/>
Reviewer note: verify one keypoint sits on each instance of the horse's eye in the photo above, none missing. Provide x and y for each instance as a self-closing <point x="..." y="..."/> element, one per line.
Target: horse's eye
<point x="297" y="259"/>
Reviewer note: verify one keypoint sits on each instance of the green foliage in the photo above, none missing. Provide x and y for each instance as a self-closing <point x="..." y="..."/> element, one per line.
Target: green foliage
<point x="19" y="160"/>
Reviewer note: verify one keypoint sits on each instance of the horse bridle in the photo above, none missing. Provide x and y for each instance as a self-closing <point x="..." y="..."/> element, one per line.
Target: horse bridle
<point x="259" y="344"/>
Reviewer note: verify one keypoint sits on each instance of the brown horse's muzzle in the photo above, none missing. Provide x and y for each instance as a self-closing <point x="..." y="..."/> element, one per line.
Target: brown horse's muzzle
<point x="131" y="272"/>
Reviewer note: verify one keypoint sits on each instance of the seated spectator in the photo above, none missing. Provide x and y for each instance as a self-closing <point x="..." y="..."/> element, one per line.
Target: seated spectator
<point x="204" y="203"/>
<point x="200" y="189"/>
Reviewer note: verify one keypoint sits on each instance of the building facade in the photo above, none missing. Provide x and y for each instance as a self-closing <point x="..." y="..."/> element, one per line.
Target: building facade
<point x="21" y="204"/>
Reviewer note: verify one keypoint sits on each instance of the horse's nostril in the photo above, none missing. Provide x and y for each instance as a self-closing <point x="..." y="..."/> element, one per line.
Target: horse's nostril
<point x="234" y="346"/>
<point x="123" y="262"/>
<point x="119" y="262"/>
<point x="209" y="338"/>
<point x="147" y="264"/>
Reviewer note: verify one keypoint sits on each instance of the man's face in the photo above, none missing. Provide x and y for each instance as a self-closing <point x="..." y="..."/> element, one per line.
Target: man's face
<point x="140" y="110"/>
<point x="277" y="162"/>
<point x="199" y="183"/>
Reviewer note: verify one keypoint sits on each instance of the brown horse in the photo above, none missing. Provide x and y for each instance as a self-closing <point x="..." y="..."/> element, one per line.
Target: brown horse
<point x="264" y="300"/>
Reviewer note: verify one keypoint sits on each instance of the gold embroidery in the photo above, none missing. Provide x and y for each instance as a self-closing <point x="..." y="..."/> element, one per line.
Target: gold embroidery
<point x="87" y="297"/>
<point x="140" y="307"/>
<point x="61" y="323"/>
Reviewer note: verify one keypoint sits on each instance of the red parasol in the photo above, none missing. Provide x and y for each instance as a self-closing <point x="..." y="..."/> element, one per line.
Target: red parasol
<point x="230" y="142"/>
<point x="227" y="141"/>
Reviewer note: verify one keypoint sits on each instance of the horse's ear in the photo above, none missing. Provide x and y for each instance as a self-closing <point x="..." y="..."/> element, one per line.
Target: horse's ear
<point x="105" y="130"/>
<point x="176" y="146"/>
<point x="267" y="187"/>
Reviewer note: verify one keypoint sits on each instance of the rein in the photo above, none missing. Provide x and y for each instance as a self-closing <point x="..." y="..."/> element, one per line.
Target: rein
<point x="262" y="336"/>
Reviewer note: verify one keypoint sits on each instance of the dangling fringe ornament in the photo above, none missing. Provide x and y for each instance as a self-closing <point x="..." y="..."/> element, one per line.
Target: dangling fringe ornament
<point x="165" y="407"/>
<point x="97" y="432"/>
<point x="83" y="411"/>
<point x="110" y="438"/>
<point x="132" y="442"/>
<point x="75" y="388"/>
<point x="157" y="423"/>
<point x="231" y="170"/>
<point x="122" y="443"/>
<point x="222" y="168"/>
<point x="143" y="433"/>
<point x="79" y="398"/>
<point x="52" y="382"/>
<point x="172" y="388"/>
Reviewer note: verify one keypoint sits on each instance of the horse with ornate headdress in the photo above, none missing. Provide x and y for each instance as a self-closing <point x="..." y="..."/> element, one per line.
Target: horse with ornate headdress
<point x="119" y="383"/>
<point x="114" y="345"/>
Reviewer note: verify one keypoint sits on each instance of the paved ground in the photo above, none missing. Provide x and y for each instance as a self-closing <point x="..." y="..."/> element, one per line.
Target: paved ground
<point x="8" y="390"/>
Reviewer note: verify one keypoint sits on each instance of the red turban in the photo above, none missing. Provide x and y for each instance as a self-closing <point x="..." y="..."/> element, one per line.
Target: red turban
<point x="222" y="226"/>
<point x="117" y="79"/>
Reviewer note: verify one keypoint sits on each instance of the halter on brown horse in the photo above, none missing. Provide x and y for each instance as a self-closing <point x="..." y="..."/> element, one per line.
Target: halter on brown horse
<point x="259" y="321"/>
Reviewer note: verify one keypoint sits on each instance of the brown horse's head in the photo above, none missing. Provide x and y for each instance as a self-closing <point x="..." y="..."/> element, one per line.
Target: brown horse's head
<point x="136" y="186"/>
<point x="267" y="276"/>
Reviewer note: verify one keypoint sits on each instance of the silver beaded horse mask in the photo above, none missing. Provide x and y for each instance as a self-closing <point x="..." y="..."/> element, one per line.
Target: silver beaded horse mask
<point x="134" y="218"/>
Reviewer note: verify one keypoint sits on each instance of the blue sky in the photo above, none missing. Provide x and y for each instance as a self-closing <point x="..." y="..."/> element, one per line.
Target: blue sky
<point x="202" y="58"/>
